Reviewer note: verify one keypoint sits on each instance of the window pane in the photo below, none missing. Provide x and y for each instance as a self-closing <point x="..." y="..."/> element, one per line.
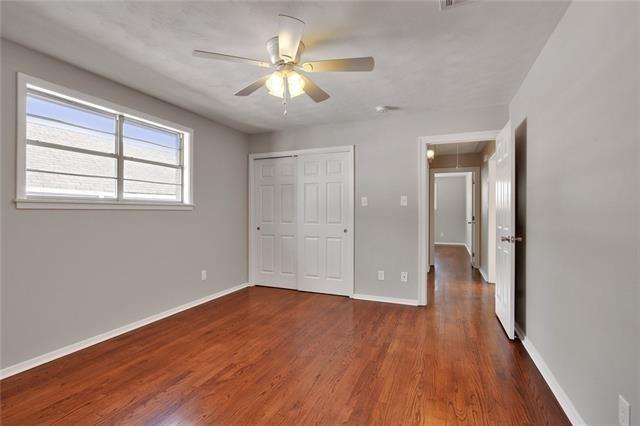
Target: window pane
<point x="150" y="143"/>
<point x="61" y="161"/>
<point x="151" y="191"/>
<point x="55" y="121"/>
<point x="70" y="186"/>
<point x="151" y="172"/>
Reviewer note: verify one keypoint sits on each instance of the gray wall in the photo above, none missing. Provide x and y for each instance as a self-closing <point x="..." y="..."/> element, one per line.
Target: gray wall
<point x="386" y="156"/>
<point x="68" y="275"/>
<point x="581" y="100"/>
<point x="450" y="215"/>
<point x="484" y="219"/>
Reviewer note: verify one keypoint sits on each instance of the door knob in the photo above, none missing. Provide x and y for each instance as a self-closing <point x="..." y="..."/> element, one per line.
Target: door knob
<point x="516" y="239"/>
<point x="345" y="230"/>
<point x="258" y="228"/>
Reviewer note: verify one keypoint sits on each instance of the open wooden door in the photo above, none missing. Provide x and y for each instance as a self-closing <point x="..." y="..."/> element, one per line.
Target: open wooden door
<point x="505" y="224"/>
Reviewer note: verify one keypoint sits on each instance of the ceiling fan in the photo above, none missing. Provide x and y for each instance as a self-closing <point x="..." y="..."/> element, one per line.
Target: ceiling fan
<point x="289" y="79"/>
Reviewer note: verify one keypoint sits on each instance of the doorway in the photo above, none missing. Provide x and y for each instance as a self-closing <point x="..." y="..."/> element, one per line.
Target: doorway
<point x="455" y="210"/>
<point x="425" y="194"/>
<point x="301" y="220"/>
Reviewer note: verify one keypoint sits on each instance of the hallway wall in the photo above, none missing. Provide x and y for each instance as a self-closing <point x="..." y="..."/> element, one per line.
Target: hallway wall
<point x="450" y="209"/>
<point x="581" y="100"/>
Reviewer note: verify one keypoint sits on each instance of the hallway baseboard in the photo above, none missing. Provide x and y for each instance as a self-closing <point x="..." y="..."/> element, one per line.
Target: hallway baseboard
<point x="562" y="397"/>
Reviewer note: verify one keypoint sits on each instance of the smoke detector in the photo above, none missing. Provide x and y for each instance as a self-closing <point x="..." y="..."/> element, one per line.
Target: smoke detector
<point x="447" y="4"/>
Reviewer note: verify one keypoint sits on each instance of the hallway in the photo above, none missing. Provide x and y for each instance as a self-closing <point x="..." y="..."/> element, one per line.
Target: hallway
<point x="265" y="355"/>
<point x="494" y="379"/>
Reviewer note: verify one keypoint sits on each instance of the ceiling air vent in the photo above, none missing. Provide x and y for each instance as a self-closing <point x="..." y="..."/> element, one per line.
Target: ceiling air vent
<point x="447" y="4"/>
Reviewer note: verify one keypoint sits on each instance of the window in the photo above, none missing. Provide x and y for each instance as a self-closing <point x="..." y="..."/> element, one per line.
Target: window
<point x="77" y="151"/>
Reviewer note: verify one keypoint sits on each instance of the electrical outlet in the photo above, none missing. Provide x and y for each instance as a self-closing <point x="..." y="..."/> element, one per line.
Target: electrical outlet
<point x="203" y="275"/>
<point x="404" y="277"/>
<point x="624" y="412"/>
<point x="403" y="200"/>
<point x="380" y="275"/>
<point x="364" y="202"/>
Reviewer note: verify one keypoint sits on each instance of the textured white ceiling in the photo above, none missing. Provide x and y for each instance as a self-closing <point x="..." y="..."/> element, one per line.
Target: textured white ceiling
<point x="470" y="56"/>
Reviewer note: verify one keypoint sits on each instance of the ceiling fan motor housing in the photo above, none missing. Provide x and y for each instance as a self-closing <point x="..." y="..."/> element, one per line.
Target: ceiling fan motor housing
<point x="274" y="52"/>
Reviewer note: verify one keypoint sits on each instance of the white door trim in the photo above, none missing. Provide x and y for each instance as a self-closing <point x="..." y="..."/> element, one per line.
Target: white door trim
<point x="475" y="173"/>
<point x="423" y="196"/>
<point x="294" y="153"/>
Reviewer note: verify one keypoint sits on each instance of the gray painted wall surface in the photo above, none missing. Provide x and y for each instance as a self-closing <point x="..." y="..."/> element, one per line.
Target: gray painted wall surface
<point x="68" y="275"/>
<point x="581" y="100"/>
<point x="484" y="219"/>
<point x="450" y="215"/>
<point x="386" y="156"/>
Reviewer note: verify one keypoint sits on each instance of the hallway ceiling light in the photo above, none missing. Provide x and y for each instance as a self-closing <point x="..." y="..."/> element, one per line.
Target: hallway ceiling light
<point x="431" y="154"/>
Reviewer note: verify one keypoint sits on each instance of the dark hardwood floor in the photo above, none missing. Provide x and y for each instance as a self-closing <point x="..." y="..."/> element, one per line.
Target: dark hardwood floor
<point x="274" y="356"/>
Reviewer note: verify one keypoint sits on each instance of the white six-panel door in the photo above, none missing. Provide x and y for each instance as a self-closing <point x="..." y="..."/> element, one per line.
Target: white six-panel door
<point x="325" y="234"/>
<point x="275" y="218"/>
<point x="505" y="225"/>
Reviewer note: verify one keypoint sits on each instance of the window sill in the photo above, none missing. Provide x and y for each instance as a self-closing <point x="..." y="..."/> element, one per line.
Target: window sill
<point x="54" y="204"/>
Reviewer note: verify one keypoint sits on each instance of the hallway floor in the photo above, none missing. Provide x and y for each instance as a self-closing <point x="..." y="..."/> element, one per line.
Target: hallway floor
<point x="265" y="355"/>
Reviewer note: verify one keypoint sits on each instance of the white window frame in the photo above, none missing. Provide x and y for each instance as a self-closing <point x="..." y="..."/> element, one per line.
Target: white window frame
<point x="24" y="201"/>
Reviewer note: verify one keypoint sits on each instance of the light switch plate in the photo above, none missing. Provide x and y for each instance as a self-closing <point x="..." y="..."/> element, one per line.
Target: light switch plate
<point x="403" y="200"/>
<point x="203" y="275"/>
<point x="404" y="277"/>
<point x="380" y="275"/>
<point x="364" y="202"/>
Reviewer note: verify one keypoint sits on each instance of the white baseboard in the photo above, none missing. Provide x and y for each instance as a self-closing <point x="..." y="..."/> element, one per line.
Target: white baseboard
<point x="468" y="248"/>
<point x="558" y="392"/>
<point x="444" y="243"/>
<point x="58" y="353"/>
<point x="371" y="298"/>
<point x="484" y="275"/>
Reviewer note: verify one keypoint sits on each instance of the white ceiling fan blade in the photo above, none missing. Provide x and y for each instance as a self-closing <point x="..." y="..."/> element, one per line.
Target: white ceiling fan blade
<point x="338" y="65"/>
<point x="289" y="37"/>
<point x="230" y="58"/>
<point x="253" y="86"/>
<point x="312" y="89"/>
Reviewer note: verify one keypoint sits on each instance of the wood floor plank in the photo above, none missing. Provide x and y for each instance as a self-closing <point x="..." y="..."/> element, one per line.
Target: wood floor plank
<point x="270" y="356"/>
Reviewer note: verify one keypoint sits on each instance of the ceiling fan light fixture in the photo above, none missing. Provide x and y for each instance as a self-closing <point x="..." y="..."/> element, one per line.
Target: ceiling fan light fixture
<point x="275" y="84"/>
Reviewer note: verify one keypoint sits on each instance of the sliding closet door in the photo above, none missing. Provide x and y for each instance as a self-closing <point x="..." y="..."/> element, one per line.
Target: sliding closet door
<point x="275" y="218"/>
<point x="325" y="234"/>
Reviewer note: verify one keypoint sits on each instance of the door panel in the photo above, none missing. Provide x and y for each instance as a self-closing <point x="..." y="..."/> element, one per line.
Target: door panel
<point x="505" y="219"/>
<point x="276" y="222"/>
<point x="266" y="253"/>
<point x="325" y="232"/>
<point x="311" y="249"/>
